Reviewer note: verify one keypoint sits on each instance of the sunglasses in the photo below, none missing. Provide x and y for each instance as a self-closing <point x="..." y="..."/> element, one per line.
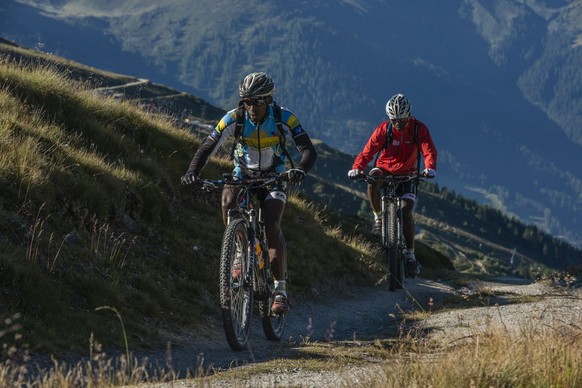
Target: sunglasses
<point x="399" y="121"/>
<point x="254" y="101"/>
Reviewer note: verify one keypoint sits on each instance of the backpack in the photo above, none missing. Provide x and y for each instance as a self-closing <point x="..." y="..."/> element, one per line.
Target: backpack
<point x="240" y="123"/>
<point x="389" y="136"/>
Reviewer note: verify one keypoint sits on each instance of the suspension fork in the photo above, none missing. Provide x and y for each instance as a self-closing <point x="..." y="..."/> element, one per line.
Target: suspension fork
<point x="384" y="210"/>
<point x="401" y="242"/>
<point x="388" y="197"/>
<point x="252" y="234"/>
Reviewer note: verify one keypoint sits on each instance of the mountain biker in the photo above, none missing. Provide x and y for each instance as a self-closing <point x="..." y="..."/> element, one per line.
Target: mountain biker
<point x="260" y="150"/>
<point x="400" y="157"/>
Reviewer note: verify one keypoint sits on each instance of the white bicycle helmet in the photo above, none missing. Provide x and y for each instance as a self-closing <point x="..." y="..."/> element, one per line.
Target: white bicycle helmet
<point x="256" y="85"/>
<point x="398" y="107"/>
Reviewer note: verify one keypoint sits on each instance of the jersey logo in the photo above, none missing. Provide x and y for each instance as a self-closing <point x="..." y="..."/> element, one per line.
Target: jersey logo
<point x="263" y="142"/>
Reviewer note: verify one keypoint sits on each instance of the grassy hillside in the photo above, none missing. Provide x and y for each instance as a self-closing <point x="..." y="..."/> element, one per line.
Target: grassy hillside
<point x="479" y="238"/>
<point x="477" y="67"/>
<point x="92" y="215"/>
<point x="149" y="95"/>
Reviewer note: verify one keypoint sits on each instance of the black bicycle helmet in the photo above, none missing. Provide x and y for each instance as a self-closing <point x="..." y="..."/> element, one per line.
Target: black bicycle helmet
<point x="398" y="107"/>
<point x="256" y="85"/>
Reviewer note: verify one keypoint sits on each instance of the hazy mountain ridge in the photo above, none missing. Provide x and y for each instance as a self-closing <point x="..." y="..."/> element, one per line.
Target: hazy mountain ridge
<point x="327" y="184"/>
<point x="336" y="63"/>
<point x="549" y="54"/>
<point x="93" y="221"/>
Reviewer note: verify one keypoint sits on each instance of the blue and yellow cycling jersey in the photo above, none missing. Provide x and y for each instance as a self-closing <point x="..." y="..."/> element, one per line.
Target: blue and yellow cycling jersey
<point x="260" y="148"/>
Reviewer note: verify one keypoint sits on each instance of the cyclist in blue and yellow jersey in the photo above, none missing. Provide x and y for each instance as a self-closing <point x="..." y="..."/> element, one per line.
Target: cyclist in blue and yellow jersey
<point x="260" y="128"/>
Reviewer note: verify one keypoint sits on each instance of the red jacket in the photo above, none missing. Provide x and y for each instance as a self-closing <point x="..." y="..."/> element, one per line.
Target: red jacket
<point x="398" y="158"/>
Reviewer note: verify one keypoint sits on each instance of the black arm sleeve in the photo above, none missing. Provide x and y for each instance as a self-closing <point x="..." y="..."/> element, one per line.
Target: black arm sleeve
<point x="308" y="152"/>
<point x="201" y="156"/>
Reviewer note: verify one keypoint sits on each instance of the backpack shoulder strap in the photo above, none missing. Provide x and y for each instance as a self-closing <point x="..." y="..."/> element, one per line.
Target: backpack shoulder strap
<point x="282" y="138"/>
<point x="240" y="122"/>
<point x="387" y="143"/>
<point x="278" y="113"/>
<point x="238" y="127"/>
<point x="389" y="135"/>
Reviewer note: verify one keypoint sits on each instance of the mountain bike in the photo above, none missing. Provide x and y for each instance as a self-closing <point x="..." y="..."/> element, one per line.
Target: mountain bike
<point x="245" y="239"/>
<point x="392" y="234"/>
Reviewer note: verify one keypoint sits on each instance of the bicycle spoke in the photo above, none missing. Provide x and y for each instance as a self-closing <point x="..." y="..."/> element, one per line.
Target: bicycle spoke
<point x="239" y="285"/>
<point x="236" y="291"/>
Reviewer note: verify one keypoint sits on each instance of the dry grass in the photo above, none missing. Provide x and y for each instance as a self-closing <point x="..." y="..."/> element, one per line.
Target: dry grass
<point x="78" y="170"/>
<point x="538" y="356"/>
<point x="541" y="357"/>
<point x="546" y="356"/>
<point x="92" y="214"/>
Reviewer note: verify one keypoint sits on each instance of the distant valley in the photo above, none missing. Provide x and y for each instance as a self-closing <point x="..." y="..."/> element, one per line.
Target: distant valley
<point x="498" y="83"/>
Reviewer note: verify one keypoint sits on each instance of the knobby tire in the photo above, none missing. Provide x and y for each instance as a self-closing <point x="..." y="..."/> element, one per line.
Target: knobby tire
<point x="236" y="296"/>
<point x="391" y="246"/>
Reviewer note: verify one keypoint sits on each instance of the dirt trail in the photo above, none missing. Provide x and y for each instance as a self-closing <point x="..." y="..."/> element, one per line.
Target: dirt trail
<point x="361" y="313"/>
<point x="368" y="313"/>
<point x="543" y="308"/>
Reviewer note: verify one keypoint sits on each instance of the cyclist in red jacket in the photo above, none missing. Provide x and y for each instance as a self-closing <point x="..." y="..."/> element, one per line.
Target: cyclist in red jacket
<point x="408" y="138"/>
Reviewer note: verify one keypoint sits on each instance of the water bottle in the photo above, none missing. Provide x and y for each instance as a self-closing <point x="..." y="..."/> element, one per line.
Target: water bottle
<point x="259" y="251"/>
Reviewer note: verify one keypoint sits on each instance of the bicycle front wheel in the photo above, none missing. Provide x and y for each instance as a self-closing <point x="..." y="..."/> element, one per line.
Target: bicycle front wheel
<point x="236" y="287"/>
<point x="391" y="245"/>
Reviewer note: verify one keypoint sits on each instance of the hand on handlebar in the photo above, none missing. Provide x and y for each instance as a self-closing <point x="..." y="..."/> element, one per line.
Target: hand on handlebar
<point x="353" y="174"/>
<point x="428" y="173"/>
<point x="189" y="179"/>
<point x="296" y="175"/>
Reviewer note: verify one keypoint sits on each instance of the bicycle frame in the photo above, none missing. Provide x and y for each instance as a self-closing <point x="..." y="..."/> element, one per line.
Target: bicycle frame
<point x="393" y="224"/>
<point x="247" y="209"/>
<point x="245" y="232"/>
<point x="253" y="214"/>
<point x="393" y="229"/>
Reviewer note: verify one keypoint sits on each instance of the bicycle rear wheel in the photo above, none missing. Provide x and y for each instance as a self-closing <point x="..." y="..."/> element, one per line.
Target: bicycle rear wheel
<point x="272" y="325"/>
<point x="236" y="292"/>
<point x="391" y="245"/>
<point x="400" y="268"/>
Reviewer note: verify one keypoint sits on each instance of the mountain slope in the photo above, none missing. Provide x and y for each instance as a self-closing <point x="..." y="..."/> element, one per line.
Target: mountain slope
<point x="498" y="83"/>
<point x="92" y="215"/>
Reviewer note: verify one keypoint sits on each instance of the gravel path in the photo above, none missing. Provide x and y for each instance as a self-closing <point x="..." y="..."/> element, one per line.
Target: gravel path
<point x="548" y="309"/>
<point x="361" y="313"/>
<point x="371" y="313"/>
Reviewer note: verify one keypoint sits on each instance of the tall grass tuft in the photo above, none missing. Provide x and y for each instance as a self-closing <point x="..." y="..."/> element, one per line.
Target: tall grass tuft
<point x="92" y="214"/>
<point x="540" y="357"/>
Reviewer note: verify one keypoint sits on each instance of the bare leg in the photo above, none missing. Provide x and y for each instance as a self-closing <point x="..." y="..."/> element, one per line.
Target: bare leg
<point x="229" y="201"/>
<point x="273" y="212"/>
<point x="374" y="192"/>
<point x="408" y="223"/>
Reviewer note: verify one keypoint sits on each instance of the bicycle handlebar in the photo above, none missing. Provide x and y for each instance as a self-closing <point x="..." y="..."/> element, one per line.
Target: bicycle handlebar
<point x="419" y="177"/>
<point x="229" y="179"/>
